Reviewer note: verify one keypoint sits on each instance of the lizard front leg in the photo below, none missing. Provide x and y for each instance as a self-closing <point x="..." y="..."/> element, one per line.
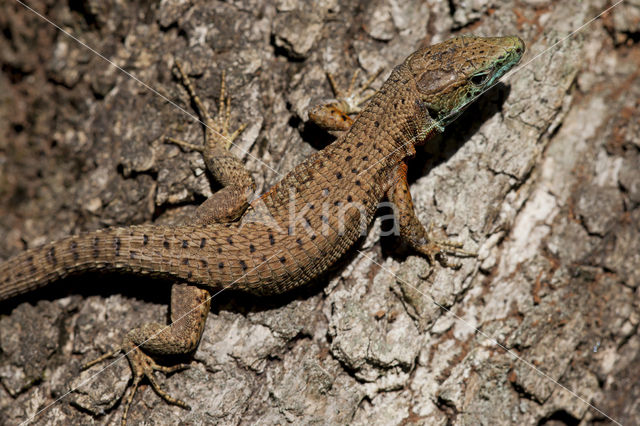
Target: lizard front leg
<point x="190" y="304"/>
<point x="412" y="231"/>
<point x="232" y="200"/>
<point x="335" y="116"/>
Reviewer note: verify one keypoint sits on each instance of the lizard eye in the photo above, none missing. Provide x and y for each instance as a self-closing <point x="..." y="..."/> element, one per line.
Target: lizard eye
<point x="480" y="79"/>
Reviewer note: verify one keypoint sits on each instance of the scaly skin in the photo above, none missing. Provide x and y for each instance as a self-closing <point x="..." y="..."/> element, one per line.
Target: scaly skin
<point x="276" y="246"/>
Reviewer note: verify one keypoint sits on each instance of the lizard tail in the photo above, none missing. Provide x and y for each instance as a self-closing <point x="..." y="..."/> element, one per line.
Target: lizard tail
<point x="166" y="252"/>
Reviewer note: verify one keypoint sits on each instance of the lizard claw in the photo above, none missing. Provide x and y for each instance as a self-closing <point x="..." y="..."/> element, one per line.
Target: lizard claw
<point x="351" y="97"/>
<point x="437" y="250"/>
<point x="335" y="115"/>
<point x="142" y="365"/>
<point x="216" y="128"/>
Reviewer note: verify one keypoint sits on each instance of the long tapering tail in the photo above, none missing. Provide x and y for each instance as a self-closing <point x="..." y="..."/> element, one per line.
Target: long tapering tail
<point x="169" y="252"/>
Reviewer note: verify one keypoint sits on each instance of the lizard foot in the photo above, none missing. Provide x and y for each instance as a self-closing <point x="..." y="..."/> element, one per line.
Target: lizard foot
<point x="437" y="250"/>
<point x="217" y="128"/>
<point x="335" y="115"/>
<point x="142" y="365"/>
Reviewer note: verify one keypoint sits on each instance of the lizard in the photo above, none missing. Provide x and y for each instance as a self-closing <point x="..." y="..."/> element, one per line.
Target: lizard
<point x="255" y="245"/>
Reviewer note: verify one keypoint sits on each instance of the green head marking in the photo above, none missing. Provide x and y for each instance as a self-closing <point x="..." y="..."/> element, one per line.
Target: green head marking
<point x="451" y="74"/>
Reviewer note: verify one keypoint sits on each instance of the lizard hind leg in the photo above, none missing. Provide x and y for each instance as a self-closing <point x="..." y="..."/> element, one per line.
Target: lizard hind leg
<point x="189" y="308"/>
<point x="190" y="304"/>
<point x="142" y="366"/>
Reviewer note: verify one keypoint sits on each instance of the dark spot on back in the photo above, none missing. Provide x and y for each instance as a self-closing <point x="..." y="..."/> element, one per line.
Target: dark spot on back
<point x="230" y="241"/>
<point x="145" y="239"/>
<point x="96" y="250"/>
<point x="339" y="175"/>
<point x="283" y="260"/>
<point x="166" y="244"/>
<point x="32" y="267"/>
<point x="116" y="245"/>
<point x="243" y="265"/>
<point x="203" y="242"/>
<point x="219" y="250"/>
<point x="252" y="248"/>
<point x="272" y="240"/>
<point x="185" y="244"/>
<point x="299" y="241"/>
<point x="73" y="247"/>
<point x="51" y="256"/>
<point x="204" y="263"/>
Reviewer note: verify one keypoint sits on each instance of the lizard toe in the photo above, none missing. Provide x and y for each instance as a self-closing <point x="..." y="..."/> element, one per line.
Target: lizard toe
<point x="144" y="366"/>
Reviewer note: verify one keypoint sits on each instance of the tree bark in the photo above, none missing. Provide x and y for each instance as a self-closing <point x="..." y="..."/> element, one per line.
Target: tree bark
<point x="541" y="177"/>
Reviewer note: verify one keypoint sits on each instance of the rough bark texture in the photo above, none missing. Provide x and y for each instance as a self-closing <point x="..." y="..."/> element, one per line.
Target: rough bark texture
<point x="542" y="177"/>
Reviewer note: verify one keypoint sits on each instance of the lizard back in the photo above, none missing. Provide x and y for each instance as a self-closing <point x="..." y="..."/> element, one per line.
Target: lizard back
<point x="303" y="224"/>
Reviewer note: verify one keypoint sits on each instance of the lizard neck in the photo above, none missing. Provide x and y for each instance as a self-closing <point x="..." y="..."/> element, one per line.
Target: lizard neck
<point x="394" y="121"/>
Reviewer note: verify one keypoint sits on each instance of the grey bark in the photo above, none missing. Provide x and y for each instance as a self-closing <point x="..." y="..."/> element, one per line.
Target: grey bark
<point x="541" y="177"/>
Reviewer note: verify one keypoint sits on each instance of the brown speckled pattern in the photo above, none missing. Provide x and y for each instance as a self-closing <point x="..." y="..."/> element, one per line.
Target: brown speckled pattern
<point x="296" y="230"/>
<point x="357" y="168"/>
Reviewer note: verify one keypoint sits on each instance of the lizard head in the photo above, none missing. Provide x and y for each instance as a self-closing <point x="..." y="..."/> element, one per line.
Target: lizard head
<point x="451" y="74"/>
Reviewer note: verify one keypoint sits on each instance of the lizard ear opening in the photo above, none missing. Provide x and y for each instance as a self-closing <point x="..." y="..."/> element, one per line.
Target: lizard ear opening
<point x="480" y="78"/>
<point x="434" y="82"/>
